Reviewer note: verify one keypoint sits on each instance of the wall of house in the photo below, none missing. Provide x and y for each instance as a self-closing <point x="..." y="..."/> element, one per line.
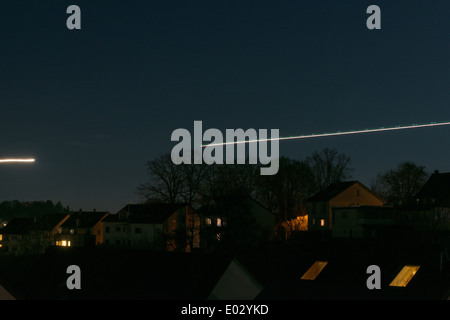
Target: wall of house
<point x="318" y="215"/>
<point x="115" y="233"/>
<point x="355" y="196"/>
<point x="345" y="223"/>
<point x="145" y="235"/>
<point x="320" y="212"/>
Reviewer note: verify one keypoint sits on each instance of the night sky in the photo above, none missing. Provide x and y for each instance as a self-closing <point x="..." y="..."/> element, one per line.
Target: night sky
<point x="94" y="105"/>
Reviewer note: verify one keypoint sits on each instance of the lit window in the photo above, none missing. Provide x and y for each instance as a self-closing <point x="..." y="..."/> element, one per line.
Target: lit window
<point x="404" y="276"/>
<point x="63" y="243"/>
<point x="219" y="222"/>
<point x="322" y="222"/>
<point x="208" y="221"/>
<point x="1" y="245"/>
<point x="314" y="270"/>
<point x="72" y="231"/>
<point x="1" y="237"/>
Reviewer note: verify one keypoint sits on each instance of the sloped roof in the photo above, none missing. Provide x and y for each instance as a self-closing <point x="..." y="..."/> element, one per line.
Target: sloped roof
<point x="156" y="275"/>
<point x="146" y="213"/>
<point x="40" y="223"/>
<point x="83" y="219"/>
<point x="332" y="191"/>
<point x="5" y="295"/>
<point x="437" y="187"/>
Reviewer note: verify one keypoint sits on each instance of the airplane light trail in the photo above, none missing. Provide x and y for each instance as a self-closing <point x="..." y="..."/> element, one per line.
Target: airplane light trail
<point x="16" y="160"/>
<point x="339" y="133"/>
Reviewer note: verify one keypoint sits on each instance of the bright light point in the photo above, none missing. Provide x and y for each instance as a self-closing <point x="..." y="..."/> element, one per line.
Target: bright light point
<point x="15" y="160"/>
<point x="339" y="133"/>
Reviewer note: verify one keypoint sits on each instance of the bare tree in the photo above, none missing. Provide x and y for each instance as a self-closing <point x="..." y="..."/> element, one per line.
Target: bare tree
<point x="400" y="185"/>
<point x="166" y="181"/>
<point x="285" y="192"/>
<point x="328" y="166"/>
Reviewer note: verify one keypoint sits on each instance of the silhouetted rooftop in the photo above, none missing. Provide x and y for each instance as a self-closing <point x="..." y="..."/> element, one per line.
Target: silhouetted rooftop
<point x="331" y="191"/>
<point x="145" y="213"/>
<point x="83" y="219"/>
<point x="436" y="190"/>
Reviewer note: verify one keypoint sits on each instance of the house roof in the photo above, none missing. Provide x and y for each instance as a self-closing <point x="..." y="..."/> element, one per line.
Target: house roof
<point x="39" y="223"/>
<point x="220" y="204"/>
<point x="156" y="275"/>
<point x="332" y="191"/>
<point x="84" y="219"/>
<point x="337" y="188"/>
<point x="437" y="187"/>
<point x="145" y="213"/>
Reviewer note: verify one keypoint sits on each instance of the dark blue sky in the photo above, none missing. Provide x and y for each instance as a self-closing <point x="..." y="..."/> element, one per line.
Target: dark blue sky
<point x="93" y="105"/>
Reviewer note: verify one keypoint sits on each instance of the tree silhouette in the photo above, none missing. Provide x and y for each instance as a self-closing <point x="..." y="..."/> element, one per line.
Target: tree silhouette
<point x="328" y="166"/>
<point x="400" y="185"/>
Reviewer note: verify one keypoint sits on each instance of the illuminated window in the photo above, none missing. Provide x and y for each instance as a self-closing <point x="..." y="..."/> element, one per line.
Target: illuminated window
<point x="322" y="222"/>
<point x="404" y="276"/>
<point x="1" y="245"/>
<point x="314" y="270"/>
<point x="72" y="231"/>
<point x="219" y="222"/>
<point x="208" y="221"/>
<point x="1" y="237"/>
<point x="63" y="243"/>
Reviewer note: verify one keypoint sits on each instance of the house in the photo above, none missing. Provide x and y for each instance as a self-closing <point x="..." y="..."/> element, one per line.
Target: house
<point x="81" y="229"/>
<point x="436" y="191"/>
<point x="370" y="222"/>
<point x="159" y="226"/>
<point x="31" y="235"/>
<point x="341" y="194"/>
<point x="235" y="222"/>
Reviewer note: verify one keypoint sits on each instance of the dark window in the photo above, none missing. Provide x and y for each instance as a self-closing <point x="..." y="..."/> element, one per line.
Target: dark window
<point x="107" y="229"/>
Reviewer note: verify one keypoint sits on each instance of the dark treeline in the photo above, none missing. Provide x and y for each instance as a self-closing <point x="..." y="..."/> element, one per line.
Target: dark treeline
<point x="20" y="209"/>
<point x="283" y="193"/>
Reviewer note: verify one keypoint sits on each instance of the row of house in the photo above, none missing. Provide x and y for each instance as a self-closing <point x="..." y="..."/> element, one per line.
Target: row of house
<point x="343" y="210"/>
<point x="156" y="226"/>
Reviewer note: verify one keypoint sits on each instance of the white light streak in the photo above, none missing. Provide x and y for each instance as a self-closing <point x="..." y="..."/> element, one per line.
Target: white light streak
<point x="339" y="133"/>
<point x="16" y="160"/>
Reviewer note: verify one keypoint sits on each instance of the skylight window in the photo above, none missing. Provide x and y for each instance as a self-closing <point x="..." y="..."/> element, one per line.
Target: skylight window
<point x="314" y="270"/>
<point x="404" y="276"/>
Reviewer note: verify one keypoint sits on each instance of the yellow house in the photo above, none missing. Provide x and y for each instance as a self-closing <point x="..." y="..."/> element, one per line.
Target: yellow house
<point x="340" y="194"/>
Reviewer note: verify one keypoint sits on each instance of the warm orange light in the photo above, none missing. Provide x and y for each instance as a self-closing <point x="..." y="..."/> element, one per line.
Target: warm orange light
<point x="314" y="270"/>
<point x="404" y="276"/>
